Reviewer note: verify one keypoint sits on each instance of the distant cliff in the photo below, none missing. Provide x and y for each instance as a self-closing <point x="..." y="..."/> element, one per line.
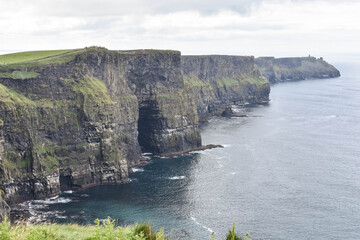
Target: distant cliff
<point x="216" y="82"/>
<point x="298" y="68"/>
<point x="80" y="118"/>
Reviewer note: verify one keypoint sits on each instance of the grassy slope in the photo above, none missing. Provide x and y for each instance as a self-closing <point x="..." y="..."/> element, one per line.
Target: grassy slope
<point x="11" y="97"/>
<point x="101" y="231"/>
<point x="24" y="60"/>
<point x="30" y="56"/>
<point x="105" y="230"/>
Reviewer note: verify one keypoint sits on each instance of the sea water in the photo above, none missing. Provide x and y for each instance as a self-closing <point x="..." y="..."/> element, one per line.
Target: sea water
<point x="289" y="170"/>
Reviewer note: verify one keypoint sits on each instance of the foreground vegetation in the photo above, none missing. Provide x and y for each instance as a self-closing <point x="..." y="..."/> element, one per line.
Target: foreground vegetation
<point x="105" y="230"/>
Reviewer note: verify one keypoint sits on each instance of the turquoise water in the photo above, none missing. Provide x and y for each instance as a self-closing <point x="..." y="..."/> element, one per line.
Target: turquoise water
<point x="291" y="170"/>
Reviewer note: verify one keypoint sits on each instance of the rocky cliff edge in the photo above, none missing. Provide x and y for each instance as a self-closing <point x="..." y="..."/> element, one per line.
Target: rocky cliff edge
<point x="297" y="68"/>
<point x="83" y="117"/>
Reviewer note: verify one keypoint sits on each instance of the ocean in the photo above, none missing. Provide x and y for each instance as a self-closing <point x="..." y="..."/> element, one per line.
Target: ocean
<point x="289" y="170"/>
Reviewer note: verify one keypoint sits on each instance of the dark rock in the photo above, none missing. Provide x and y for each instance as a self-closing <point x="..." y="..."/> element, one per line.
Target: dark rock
<point x="83" y="120"/>
<point x="216" y="82"/>
<point x="201" y="148"/>
<point x="4" y="210"/>
<point x="292" y="69"/>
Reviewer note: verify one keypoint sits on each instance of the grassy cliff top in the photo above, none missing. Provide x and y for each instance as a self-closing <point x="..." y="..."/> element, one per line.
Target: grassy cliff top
<point x="20" y="57"/>
<point x="21" y="60"/>
<point x="149" y="51"/>
<point x="37" y="58"/>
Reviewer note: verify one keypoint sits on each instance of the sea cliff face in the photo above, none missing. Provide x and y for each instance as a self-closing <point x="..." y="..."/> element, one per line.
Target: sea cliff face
<point x="83" y="118"/>
<point x="298" y="68"/>
<point x="216" y="82"/>
<point x="76" y="123"/>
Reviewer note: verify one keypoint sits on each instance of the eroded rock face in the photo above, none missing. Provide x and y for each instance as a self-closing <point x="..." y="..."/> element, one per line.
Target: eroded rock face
<point x="300" y="68"/>
<point x="217" y="81"/>
<point x="76" y="123"/>
<point x="82" y="121"/>
<point x="167" y="119"/>
<point x="4" y="210"/>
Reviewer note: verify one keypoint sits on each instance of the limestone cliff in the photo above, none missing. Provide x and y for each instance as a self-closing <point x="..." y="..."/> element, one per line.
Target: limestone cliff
<point x="300" y="68"/>
<point x="72" y="121"/>
<point x="218" y="81"/>
<point x="83" y="117"/>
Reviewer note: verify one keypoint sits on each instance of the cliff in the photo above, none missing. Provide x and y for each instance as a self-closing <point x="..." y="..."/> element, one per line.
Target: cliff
<point x="77" y="118"/>
<point x="216" y="82"/>
<point x="288" y="69"/>
<point x="81" y="118"/>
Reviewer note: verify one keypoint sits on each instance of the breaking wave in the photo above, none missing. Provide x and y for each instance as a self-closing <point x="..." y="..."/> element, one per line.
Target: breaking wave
<point x="177" y="177"/>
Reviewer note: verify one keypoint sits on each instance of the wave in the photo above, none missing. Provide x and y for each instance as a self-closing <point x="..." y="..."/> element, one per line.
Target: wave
<point x="53" y="200"/>
<point x="176" y="177"/>
<point x="68" y="192"/>
<point x="227" y="145"/>
<point x="60" y="216"/>
<point x="137" y="169"/>
<point x="201" y="225"/>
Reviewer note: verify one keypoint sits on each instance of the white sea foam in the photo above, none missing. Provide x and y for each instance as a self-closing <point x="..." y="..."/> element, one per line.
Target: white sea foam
<point x="203" y="226"/>
<point x="227" y="145"/>
<point x="53" y="200"/>
<point x="135" y="169"/>
<point x="68" y="192"/>
<point x="197" y="152"/>
<point x="147" y="154"/>
<point x="176" y="177"/>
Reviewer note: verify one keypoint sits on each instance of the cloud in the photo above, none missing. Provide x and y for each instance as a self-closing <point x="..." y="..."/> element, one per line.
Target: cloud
<point x="96" y="8"/>
<point x="230" y="27"/>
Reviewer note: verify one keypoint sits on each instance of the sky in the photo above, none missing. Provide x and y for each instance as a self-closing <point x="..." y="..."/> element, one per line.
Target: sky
<point x="326" y="28"/>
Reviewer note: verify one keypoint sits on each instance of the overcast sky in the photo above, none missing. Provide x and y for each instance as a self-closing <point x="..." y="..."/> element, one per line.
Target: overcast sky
<point x="240" y="27"/>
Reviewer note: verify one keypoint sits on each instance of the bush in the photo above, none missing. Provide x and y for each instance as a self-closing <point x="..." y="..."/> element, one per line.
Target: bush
<point x="42" y="233"/>
<point x="233" y="236"/>
<point x="5" y="230"/>
<point x="103" y="230"/>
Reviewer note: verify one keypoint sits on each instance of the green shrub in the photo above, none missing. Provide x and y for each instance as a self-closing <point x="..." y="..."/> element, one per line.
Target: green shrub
<point x="5" y="230"/>
<point x="233" y="236"/>
<point x="103" y="230"/>
<point x="148" y="234"/>
<point x="42" y="233"/>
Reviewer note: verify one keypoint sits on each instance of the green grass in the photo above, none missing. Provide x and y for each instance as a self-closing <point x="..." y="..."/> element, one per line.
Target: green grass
<point x="227" y="82"/>
<point x="53" y="57"/>
<point x="194" y="82"/>
<point x="93" y="89"/>
<point x="13" y="161"/>
<point x="100" y="231"/>
<point x="11" y="97"/>
<point x="50" y="163"/>
<point x="105" y="230"/>
<point x="8" y="164"/>
<point x="258" y="80"/>
<point x="30" y="56"/>
<point x="19" y="75"/>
